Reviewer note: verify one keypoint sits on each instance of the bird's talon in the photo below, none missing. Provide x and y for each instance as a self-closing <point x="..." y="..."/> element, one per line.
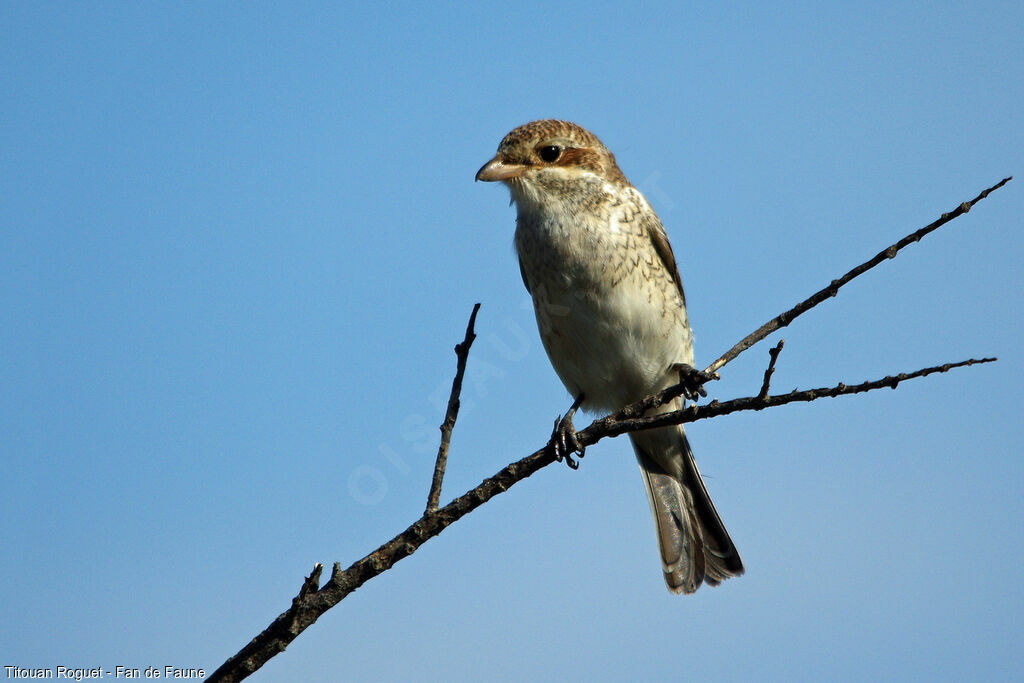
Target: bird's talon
<point x="563" y="441"/>
<point x="692" y="380"/>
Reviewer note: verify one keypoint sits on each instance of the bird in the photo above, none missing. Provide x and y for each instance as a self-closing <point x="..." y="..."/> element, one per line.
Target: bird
<point x="611" y="313"/>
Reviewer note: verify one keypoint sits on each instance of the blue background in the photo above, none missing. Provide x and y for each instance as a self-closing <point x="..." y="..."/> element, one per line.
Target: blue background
<point x="239" y="242"/>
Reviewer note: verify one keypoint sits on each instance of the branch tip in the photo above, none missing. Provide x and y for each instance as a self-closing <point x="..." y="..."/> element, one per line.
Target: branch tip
<point x="785" y="318"/>
<point x="452" y="413"/>
<point x="773" y="355"/>
<point x="312" y="583"/>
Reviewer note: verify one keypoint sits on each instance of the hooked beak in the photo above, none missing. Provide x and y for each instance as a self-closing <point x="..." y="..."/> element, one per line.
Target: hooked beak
<point x="496" y="169"/>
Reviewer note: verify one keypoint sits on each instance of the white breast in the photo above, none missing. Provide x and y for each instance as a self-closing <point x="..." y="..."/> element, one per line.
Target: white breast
<point x="608" y="311"/>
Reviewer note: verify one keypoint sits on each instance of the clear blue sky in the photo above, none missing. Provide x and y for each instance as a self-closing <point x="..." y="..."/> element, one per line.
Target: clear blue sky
<point x="238" y="243"/>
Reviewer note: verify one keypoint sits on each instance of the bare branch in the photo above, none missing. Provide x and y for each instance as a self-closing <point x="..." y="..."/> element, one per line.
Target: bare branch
<point x="461" y="354"/>
<point x="784" y="319"/>
<point x="621" y="423"/>
<point x="312" y="602"/>
<point x="275" y="638"/>
<point x="773" y="354"/>
<point x="309" y="605"/>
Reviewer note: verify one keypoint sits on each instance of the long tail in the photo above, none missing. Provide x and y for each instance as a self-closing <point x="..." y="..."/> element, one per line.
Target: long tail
<point x="695" y="546"/>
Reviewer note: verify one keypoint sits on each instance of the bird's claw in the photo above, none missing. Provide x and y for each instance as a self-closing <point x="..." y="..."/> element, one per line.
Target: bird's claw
<point x="693" y="380"/>
<point x="563" y="441"/>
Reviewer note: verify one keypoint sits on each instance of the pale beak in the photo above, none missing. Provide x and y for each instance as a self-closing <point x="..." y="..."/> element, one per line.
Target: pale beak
<point x="496" y="169"/>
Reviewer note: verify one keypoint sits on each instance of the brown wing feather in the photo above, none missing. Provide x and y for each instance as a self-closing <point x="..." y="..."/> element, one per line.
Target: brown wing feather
<point x="656" y="231"/>
<point x="522" y="273"/>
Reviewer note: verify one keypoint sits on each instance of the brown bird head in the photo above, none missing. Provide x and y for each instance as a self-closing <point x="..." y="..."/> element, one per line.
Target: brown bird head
<point x="549" y="158"/>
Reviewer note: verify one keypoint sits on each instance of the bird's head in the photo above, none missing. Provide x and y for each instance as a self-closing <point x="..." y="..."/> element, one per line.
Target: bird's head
<point x="551" y="159"/>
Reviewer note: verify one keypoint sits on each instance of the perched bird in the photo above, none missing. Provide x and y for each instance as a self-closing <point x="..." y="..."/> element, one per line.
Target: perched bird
<point x="612" y="316"/>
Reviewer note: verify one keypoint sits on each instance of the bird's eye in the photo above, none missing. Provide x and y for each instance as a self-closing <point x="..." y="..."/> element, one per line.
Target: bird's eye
<point x="550" y="153"/>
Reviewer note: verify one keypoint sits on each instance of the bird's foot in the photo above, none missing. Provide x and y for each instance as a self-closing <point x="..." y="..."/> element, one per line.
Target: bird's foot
<point x="563" y="441"/>
<point x="693" y="380"/>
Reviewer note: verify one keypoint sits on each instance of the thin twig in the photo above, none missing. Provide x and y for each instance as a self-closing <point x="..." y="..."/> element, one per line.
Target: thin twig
<point x="832" y="289"/>
<point x="461" y="354"/>
<point x="619" y="423"/>
<point x="773" y="354"/>
<point x="309" y="605"/>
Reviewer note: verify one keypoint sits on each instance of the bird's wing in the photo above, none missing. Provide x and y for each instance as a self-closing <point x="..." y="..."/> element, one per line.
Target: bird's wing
<point x="522" y="272"/>
<point x="656" y="231"/>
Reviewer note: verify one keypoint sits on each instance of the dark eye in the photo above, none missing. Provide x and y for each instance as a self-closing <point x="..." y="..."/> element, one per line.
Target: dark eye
<point x="550" y="153"/>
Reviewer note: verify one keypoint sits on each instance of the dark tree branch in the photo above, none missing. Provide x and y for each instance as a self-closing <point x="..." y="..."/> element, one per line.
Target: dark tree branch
<point x="461" y="354"/>
<point x="784" y="319"/>
<point x="312" y="601"/>
<point x="623" y="421"/>
<point x="310" y="604"/>
<point x="773" y="354"/>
